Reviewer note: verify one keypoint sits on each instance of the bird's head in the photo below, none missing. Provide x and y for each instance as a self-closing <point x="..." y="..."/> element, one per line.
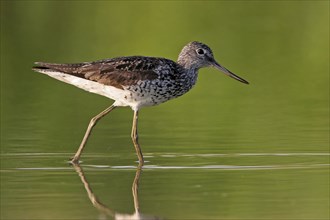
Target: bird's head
<point x="196" y="55"/>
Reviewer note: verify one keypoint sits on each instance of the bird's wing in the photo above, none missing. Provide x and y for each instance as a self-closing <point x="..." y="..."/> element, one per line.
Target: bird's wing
<point x="117" y="72"/>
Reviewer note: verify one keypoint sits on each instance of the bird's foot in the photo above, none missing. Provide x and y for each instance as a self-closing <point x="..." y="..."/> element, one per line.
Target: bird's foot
<point x="74" y="160"/>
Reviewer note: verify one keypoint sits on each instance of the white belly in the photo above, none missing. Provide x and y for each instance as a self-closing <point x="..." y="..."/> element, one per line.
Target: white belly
<point x="123" y="97"/>
<point x="108" y="91"/>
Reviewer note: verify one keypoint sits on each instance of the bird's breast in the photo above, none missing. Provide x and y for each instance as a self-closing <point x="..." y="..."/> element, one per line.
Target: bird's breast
<point x="160" y="90"/>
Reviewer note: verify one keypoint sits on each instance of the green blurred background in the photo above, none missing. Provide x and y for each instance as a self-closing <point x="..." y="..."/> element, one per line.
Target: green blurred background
<point x="280" y="47"/>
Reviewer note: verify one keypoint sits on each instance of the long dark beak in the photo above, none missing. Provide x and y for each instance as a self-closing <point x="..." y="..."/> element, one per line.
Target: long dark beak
<point x="227" y="72"/>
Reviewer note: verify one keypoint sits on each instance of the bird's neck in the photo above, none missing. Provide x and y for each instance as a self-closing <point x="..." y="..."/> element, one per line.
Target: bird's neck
<point x="189" y="79"/>
<point x="187" y="64"/>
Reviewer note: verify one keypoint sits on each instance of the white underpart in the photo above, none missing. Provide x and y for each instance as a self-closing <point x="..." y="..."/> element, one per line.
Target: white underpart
<point x="108" y="91"/>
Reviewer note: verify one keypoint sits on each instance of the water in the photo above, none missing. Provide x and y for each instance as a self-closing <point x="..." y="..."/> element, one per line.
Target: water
<point x="223" y="151"/>
<point x="289" y="185"/>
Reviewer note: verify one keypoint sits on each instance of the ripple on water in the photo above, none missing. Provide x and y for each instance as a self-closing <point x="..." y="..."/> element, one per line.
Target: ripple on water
<point x="233" y="161"/>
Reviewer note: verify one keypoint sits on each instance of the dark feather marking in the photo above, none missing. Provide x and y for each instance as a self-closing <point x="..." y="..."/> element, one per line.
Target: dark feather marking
<point x="139" y="66"/>
<point x="117" y="72"/>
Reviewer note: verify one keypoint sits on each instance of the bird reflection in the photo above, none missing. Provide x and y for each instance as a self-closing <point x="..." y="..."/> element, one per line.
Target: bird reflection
<point x="106" y="211"/>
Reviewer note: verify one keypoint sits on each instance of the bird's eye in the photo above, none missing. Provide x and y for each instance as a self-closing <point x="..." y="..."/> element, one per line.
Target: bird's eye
<point x="200" y="51"/>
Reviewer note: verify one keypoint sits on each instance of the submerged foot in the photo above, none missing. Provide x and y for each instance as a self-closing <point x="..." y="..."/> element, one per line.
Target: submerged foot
<point x="74" y="160"/>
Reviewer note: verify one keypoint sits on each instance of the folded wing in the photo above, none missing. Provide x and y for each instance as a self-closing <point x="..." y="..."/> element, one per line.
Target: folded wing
<point x="117" y="72"/>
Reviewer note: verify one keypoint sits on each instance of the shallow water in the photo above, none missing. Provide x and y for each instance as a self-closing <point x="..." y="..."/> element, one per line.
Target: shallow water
<point x="214" y="186"/>
<point x="223" y="151"/>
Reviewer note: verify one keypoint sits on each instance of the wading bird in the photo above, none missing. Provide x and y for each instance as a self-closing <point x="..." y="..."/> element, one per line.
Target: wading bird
<point x="135" y="81"/>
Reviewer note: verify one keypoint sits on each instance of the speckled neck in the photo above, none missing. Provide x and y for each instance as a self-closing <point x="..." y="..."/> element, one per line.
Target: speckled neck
<point x="186" y="63"/>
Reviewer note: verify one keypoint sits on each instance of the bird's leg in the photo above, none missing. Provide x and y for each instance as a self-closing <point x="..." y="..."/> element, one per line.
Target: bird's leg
<point x="92" y="123"/>
<point x="134" y="136"/>
<point x="135" y="189"/>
